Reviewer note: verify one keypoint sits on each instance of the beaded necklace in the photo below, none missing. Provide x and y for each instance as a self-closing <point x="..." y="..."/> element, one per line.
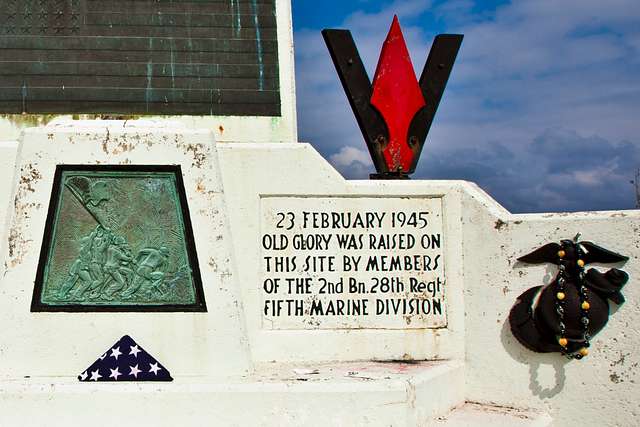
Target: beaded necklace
<point x="584" y="304"/>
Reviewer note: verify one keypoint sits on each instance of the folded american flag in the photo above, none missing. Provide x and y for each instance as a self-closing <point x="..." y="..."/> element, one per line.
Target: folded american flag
<point x="125" y="361"/>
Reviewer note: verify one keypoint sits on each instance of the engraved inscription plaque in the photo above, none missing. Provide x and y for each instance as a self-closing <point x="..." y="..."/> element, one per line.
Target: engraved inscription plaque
<point x="352" y="263"/>
<point x="118" y="238"/>
<point x="171" y="57"/>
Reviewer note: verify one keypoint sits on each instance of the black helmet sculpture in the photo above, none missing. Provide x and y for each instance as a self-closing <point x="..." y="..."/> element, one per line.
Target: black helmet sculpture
<point x="564" y="315"/>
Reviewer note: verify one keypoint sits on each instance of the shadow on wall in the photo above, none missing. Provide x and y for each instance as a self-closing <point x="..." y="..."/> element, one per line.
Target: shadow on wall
<point x="536" y="361"/>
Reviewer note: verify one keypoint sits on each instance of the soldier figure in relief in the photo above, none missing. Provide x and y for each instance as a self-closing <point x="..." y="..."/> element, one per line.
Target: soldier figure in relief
<point x="79" y="271"/>
<point x="99" y="246"/>
<point x="116" y="266"/>
<point x="105" y="267"/>
<point x="150" y="272"/>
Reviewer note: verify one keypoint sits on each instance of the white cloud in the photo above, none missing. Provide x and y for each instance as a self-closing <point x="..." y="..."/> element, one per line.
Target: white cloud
<point x="349" y="155"/>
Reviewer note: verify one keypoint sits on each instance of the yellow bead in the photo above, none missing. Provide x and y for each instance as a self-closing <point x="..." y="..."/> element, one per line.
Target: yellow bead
<point x="580" y="263"/>
<point x="586" y="305"/>
<point x="561" y="254"/>
<point x="584" y="352"/>
<point x="563" y="342"/>
<point x="560" y="295"/>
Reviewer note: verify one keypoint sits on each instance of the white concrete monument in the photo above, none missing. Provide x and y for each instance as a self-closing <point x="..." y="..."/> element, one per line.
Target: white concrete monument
<point x="328" y="302"/>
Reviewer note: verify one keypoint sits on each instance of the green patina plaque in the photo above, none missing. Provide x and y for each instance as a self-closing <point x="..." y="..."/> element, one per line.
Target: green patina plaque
<point x="118" y="238"/>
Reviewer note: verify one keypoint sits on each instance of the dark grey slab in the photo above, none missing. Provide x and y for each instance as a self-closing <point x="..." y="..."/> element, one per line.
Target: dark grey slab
<point x="195" y="57"/>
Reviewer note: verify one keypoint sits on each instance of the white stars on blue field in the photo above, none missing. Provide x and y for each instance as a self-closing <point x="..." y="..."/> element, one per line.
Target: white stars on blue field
<point x="125" y="361"/>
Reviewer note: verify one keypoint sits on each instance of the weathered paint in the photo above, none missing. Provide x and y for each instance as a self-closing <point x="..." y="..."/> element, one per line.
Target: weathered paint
<point x="258" y="44"/>
<point x="235" y="9"/>
<point x="131" y="143"/>
<point x="149" y="89"/>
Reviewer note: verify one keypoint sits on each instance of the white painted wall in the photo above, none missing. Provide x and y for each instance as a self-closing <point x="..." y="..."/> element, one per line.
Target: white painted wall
<point x="62" y="345"/>
<point x="8" y="151"/>
<point x="253" y="171"/>
<point x="600" y="390"/>
<point x="483" y="241"/>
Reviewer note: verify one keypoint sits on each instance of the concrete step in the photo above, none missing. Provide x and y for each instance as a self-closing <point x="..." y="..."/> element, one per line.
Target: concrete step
<point x="477" y="415"/>
<point x="343" y="394"/>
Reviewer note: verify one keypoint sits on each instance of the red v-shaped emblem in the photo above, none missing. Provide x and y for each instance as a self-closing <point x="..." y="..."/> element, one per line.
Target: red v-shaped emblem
<point x="394" y="114"/>
<point x="397" y="97"/>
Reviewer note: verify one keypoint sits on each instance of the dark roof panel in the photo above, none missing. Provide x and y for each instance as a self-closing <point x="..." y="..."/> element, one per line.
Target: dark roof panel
<point x="198" y="57"/>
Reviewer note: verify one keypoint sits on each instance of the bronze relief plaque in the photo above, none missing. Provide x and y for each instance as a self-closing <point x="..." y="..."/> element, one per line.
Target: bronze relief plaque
<point x="118" y="238"/>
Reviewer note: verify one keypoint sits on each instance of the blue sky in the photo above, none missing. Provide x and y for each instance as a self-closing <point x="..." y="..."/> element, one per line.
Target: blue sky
<point x="542" y="109"/>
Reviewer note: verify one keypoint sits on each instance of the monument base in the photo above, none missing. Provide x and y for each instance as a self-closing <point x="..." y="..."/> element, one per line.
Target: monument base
<point x="251" y="204"/>
<point x="368" y="393"/>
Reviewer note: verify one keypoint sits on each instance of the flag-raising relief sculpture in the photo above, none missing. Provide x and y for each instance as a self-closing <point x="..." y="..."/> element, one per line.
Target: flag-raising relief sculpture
<point x="118" y="238"/>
